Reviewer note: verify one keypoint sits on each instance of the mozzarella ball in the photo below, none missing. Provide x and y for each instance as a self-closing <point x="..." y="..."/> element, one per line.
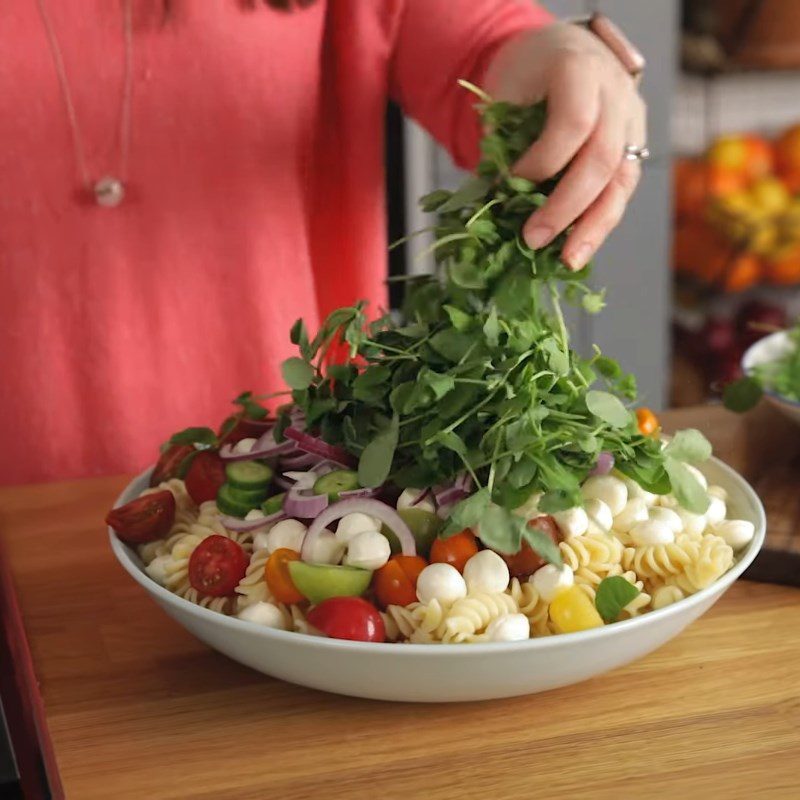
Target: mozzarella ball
<point x="260" y="540"/>
<point x="442" y="582"/>
<point x="716" y="510"/>
<point x="635" y="511"/>
<point x="157" y="569"/>
<point x="266" y="614"/>
<point x="699" y="475"/>
<point x="668" y="516"/>
<point x="327" y="549"/>
<point x="718" y="491"/>
<point x="254" y="513"/>
<point x="486" y="572"/>
<point x="608" y="488"/>
<point x="736" y="532"/>
<point x="508" y="628"/>
<point x="368" y="550"/>
<point x="667" y="501"/>
<point x="634" y="490"/>
<point x="286" y="533"/>
<point x="244" y="446"/>
<point x="572" y="522"/>
<point x="352" y="524"/>
<point x="549" y="580"/>
<point x="408" y="500"/>
<point x="666" y="595"/>
<point x="530" y="508"/>
<point x="693" y="524"/>
<point x="651" y="532"/>
<point x="600" y="517"/>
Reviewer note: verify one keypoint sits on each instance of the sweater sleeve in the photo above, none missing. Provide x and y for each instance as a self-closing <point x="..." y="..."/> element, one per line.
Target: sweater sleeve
<point x="439" y="41"/>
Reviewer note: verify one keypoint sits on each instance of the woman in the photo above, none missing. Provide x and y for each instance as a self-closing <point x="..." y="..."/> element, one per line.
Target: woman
<point x="181" y="181"/>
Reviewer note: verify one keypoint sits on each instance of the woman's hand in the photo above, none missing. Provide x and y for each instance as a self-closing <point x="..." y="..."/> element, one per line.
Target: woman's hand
<point x="594" y="111"/>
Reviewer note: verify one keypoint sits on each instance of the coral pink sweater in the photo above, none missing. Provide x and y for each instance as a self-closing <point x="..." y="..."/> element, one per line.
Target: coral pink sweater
<point x="256" y="197"/>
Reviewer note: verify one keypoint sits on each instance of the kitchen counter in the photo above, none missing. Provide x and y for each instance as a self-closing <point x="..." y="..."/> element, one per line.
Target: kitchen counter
<point x="108" y="697"/>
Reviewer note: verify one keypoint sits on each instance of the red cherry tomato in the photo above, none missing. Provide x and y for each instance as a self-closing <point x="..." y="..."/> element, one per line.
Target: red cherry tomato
<point x="217" y="565"/>
<point x="527" y="560"/>
<point x="278" y="577"/>
<point x="456" y="550"/>
<point x="171" y="464"/>
<point x="144" y="519"/>
<point x="205" y="476"/>
<point x="348" y="618"/>
<point x="237" y="427"/>
<point x="395" y="583"/>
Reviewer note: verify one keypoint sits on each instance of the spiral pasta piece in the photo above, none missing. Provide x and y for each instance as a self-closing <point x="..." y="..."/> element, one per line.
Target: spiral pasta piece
<point x="531" y="604"/>
<point x="660" y="561"/>
<point x="471" y="614"/>
<point x="713" y="557"/>
<point x="593" y="555"/>
<point x="253" y="587"/>
<point x="183" y="502"/>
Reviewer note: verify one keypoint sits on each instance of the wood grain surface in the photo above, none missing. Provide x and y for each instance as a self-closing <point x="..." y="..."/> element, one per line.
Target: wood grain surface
<point x="137" y="708"/>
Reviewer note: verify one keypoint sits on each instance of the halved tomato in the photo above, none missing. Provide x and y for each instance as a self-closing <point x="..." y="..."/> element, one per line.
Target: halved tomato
<point x="172" y="463"/>
<point x="144" y="519"/>
<point x="395" y="583"/>
<point x="205" y="476"/>
<point x="526" y="561"/>
<point x="217" y="565"/>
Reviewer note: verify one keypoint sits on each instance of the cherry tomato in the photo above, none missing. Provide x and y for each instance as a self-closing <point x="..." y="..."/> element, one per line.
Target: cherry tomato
<point x="395" y="583"/>
<point x="278" y="578"/>
<point x="144" y="519"/>
<point x="217" y="565"/>
<point x="171" y="464"/>
<point x="647" y="421"/>
<point x="205" y="476"/>
<point x="237" y="427"/>
<point x="456" y="550"/>
<point x="527" y="560"/>
<point x="348" y="618"/>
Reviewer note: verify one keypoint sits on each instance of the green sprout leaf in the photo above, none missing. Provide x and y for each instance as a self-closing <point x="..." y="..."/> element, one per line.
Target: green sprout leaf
<point x="742" y="395"/>
<point x="200" y="438"/>
<point x="375" y="463"/>
<point x="613" y="594"/>
<point x="467" y="513"/>
<point x="608" y="408"/>
<point x="689" y="445"/>
<point x="686" y="488"/>
<point x="297" y="373"/>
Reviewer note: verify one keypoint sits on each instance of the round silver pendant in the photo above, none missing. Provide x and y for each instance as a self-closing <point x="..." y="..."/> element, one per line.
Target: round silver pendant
<point x="109" y="192"/>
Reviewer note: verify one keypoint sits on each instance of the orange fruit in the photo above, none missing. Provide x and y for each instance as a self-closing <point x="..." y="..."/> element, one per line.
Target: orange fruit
<point x="728" y="153"/>
<point x="741" y="272"/>
<point x="759" y="157"/>
<point x="690" y="179"/>
<point x="724" y="180"/>
<point x="785" y="269"/>
<point x="699" y="250"/>
<point x="787" y="158"/>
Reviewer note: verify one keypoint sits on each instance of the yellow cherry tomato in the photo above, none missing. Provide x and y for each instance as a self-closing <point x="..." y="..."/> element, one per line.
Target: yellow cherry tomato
<point x="572" y="611"/>
<point x="647" y="421"/>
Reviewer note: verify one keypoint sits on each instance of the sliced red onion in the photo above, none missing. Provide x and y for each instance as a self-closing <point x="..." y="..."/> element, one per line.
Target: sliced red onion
<point x="604" y="464"/>
<point x="364" y="491"/>
<point x="421" y="496"/>
<point x="369" y="506"/>
<point x="246" y="525"/>
<point x="443" y="512"/>
<point x="301" y="502"/>
<point x="299" y="461"/>
<point x="284" y="483"/>
<point x="315" y="445"/>
<point x="265" y="447"/>
<point x="449" y="497"/>
<point x="463" y="481"/>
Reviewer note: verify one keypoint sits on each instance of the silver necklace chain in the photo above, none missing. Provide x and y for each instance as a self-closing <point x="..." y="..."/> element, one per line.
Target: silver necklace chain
<point x="107" y="190"/>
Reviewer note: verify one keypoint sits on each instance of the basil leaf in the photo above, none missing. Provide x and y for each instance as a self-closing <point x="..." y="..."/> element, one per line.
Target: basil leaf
<point x="689" y="445"/>
<point x="500" y="529"/>
<point x="467" y="513"/>
<point x="608" y="408"/>
<point x="375" y="463"/>
<point x="297" y="373"/>
<point x="613" y="594"/>
<point x="686" y="488"/>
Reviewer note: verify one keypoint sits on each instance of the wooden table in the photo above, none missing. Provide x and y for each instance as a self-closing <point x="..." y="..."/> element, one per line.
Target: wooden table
<point x="131" y="706"/>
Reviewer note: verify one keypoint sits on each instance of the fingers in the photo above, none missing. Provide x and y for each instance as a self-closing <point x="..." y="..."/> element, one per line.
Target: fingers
<point x="590" y="172"/>
<point x="573" y="107"/>
<point x="601" y="217"/>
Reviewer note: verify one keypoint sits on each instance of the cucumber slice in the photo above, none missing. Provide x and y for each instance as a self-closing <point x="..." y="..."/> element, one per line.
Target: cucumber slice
<point x="248" y="474"/>
<point x="340" y="480"/>
<point x="319" y="582"/>
<point x="249" y="497"/>
<point x="228" y="503"/>
<point x="425" y="526"/>
<point x="272" y="505"/>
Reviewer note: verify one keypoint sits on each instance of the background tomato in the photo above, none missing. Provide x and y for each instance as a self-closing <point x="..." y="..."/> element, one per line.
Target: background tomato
<point x="647" y="421"/>
<point x="171" y="464"/>
<point x="205" y="476"/>
<point x="395" y="583"/>
<point x="348" y="618"/>
<point x="278" y="578"/>
<point x="217" y="565"/>
<point x="456" y="550"/>
<point x="144" y="519"/>
<point x="527" y="560"/>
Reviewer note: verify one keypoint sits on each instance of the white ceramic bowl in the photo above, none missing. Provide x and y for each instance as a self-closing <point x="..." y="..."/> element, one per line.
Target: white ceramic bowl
<point x="763" y="351"/>
<point x="442" y="673"/>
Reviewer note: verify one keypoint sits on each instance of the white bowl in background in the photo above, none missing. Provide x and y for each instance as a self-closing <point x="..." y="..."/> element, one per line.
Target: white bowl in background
<point x="445" y="673"/>
<point x="763" y="351"/>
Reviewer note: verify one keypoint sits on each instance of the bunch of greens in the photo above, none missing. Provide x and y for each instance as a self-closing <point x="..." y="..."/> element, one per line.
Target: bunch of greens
<point x="479" y="375"/>
<point x="781" y="376"/>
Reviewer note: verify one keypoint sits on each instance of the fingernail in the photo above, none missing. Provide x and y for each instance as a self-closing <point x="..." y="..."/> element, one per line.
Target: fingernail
<point x="576" y="259"/>
<point x="538" y="236"/>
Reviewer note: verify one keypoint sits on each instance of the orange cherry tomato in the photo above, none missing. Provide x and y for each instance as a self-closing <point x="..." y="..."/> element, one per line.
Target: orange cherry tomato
<point x="395" y="583"/>
<point x="526" y="560"/>
<point x="456" y="550"/>
<point x="647" y="421"/>
<point x="278" y="578"/>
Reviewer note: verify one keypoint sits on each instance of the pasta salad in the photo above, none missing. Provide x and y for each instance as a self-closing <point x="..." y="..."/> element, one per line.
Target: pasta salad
<point x="453" y="475"/>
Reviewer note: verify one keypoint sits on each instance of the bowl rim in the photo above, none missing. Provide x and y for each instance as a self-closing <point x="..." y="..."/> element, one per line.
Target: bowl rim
<point x="121" y="551"/>
<point x="747" y="369"/>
